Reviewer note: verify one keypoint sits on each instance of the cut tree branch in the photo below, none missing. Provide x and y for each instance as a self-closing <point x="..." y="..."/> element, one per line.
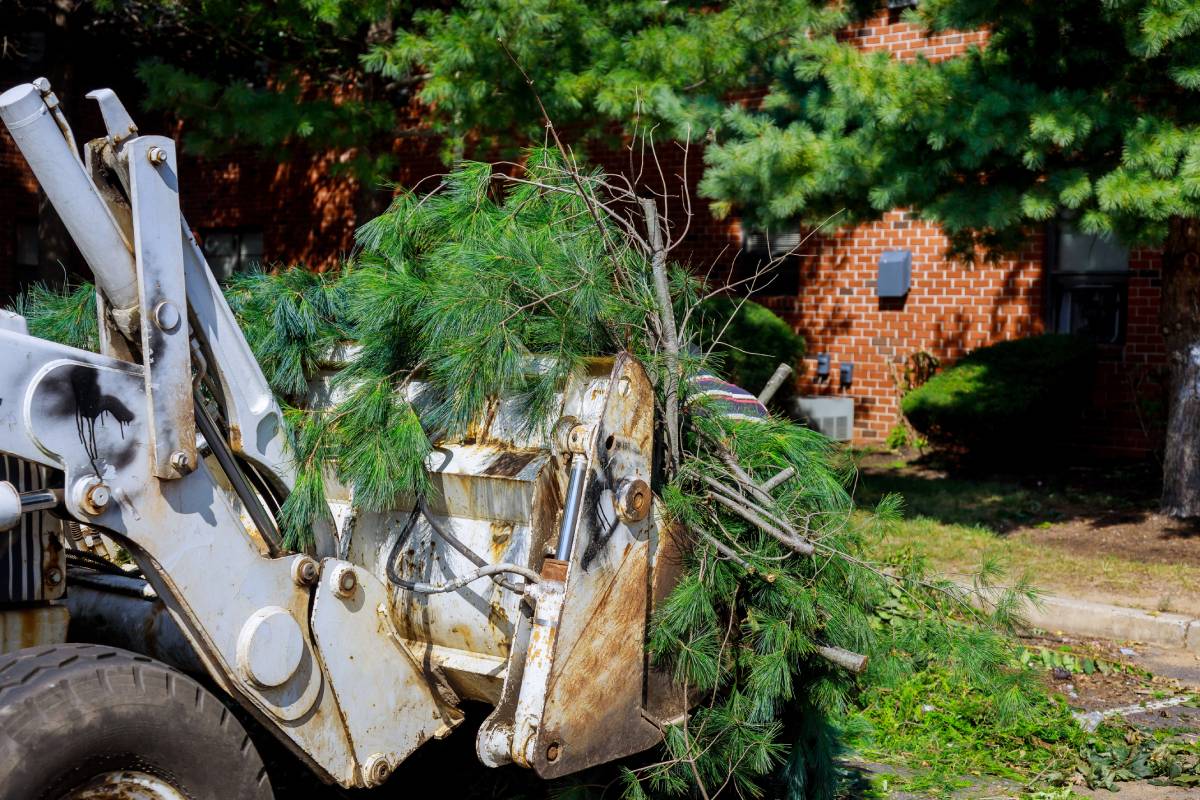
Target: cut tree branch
<point x="670" y="334"/>
<point x="847" y="660"/>
<point x="799" y="545"/>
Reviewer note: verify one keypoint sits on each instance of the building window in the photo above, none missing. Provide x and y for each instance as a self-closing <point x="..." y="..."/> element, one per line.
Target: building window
<point x="1089" y="279"/>
<point x="29" y="250"/>
<point x="770" y="253"/>
<point x="230" y="250"/>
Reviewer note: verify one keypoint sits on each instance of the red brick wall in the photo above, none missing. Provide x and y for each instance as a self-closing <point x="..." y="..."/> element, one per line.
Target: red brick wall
<point x="18" y="204"/>
<point x="951" y="308"/>
<point x="307" y="217"/>
<point x="885" y="31"/>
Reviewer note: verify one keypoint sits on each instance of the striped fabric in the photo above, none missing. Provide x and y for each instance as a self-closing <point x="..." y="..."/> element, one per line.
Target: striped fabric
<point x="21" y="548"/>
<point x="711" y="395"/>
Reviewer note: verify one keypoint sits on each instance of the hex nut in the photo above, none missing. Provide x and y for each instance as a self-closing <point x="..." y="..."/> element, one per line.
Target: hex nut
<point x="633" y="500"/>
<point x="179" y="460"/>
<point x="305" y="571"/>
<point x="91" y="496"/>
<point x="344" y="581"/>
<point x="156" y="156"/>
<point x="377" y="770"/>
<point x="54" y="576"/>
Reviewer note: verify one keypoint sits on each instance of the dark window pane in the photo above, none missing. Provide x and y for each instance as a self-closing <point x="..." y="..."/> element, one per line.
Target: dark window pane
<point x="232" y="250"/>
<point x="1087" y="284"/>
<point x="1094" y="311"/>
<point x="251" y="251"/>
<point x="1081" y="252"/>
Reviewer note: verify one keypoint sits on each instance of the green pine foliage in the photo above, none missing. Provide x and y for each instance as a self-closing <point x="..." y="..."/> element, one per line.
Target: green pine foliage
<point x="745" y="632"/>
<point x="306" y="76"/>
<point x="1076" y="107"/>
<point x="66" y="314"/>
<point x="293" y="320"/>
<point x="593" y="63"/>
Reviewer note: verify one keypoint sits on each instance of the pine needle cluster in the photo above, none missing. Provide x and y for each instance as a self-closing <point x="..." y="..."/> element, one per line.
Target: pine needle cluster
<point x="66" y="315"/>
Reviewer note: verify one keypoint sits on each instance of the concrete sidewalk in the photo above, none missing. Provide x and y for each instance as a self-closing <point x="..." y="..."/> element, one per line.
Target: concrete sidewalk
<point x="1118" y="623"/>
<point x="1057" y="614"/>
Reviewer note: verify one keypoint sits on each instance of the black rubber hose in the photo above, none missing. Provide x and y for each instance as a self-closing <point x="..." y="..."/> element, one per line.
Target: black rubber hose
<point x="483" y="569"/>
<point x="467" y="553"/>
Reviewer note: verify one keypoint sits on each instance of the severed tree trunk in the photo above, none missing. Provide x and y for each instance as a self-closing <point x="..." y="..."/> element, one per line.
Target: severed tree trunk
<point x="1181" y="329"/>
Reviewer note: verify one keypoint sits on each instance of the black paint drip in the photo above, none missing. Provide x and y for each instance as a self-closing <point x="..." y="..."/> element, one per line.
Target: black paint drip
<point x="90" y="406"/>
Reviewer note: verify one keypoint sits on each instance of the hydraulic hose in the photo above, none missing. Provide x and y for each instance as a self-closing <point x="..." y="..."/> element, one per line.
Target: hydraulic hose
<point x="481" y="571"/>
<point x="452" y="540"/>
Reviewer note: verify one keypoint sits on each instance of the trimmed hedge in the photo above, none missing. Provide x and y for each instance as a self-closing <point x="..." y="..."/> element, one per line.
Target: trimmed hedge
<point x="752" y="345"/>
<point x="1011" y="395"/>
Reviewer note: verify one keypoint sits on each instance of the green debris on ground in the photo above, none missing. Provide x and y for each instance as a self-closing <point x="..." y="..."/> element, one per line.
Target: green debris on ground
<point x="947" y="735"/>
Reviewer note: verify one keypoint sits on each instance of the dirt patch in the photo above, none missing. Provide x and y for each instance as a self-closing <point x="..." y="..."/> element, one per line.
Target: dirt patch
<point x="1138" y="675"/>
<point x="1087" y="532"/>
<point x="1129" y="535"/>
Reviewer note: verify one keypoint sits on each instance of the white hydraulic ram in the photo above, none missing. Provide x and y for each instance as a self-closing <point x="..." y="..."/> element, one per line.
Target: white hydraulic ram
<point x="525" y="580"/>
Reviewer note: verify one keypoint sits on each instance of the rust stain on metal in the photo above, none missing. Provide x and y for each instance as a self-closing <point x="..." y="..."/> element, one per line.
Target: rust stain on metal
<point x="479" y="430"/>
<point x="594" y="699"/>
<point x="501" y="538"/>
<point x="509" y="463"/>
<point x="543" y="522"/>
<point x="32" y="626"/>
<point x="664" y="699"/>
<point x="499" y="621"/>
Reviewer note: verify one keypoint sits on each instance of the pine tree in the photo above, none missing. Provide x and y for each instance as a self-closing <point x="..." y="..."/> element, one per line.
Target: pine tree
<point x="1071" y="108"/>
<point x="306" y="76"/>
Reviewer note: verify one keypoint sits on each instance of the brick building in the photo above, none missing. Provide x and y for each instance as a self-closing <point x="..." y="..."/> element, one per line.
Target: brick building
<point x="247" y="210"/>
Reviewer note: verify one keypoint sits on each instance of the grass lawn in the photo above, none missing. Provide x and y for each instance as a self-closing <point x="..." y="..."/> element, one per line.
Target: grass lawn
<point x="1092" y="535"/>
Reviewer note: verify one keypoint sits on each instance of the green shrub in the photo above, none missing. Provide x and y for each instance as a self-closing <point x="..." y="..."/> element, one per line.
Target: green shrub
<point x="753" y="343"/>
<point x="1013" y="395"/>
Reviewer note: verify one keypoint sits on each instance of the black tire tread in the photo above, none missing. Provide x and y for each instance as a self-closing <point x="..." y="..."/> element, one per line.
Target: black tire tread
<point x="38" y="682"/>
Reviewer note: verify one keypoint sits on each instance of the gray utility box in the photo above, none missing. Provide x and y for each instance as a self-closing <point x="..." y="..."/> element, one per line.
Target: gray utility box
<point x="832" y="416"/>
<point x="895" y="273"/>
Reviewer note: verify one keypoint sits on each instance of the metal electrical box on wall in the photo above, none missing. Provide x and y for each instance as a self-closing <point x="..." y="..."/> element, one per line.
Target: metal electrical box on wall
<point x="895" y="273"/>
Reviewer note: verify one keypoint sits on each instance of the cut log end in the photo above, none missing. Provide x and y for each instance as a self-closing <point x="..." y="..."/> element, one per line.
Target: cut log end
<point x="847" y="660"/>
<point x="777" y="378"/>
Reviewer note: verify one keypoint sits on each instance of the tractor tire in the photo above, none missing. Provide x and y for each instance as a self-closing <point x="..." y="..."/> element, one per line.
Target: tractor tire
<point x="83" y="721"/>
